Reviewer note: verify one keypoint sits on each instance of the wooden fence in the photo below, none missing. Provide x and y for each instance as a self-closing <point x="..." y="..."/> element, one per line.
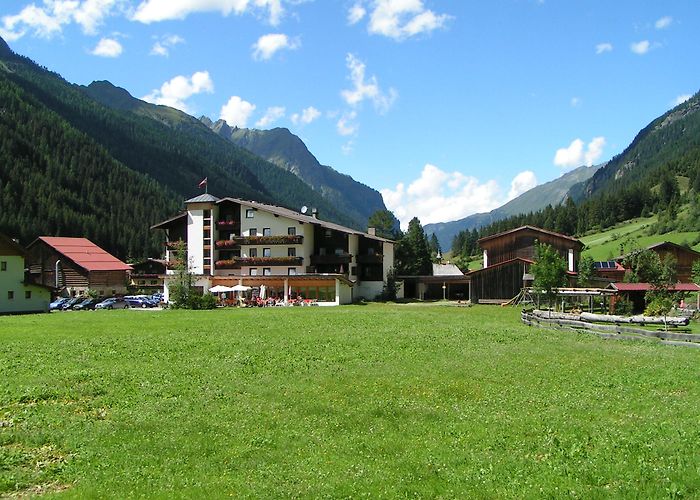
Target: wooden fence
<point x="532" y="318"/>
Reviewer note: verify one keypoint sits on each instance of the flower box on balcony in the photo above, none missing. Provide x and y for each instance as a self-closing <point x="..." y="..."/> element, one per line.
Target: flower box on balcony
<point x="226" y="224"/>
<point x="237" y="262"/>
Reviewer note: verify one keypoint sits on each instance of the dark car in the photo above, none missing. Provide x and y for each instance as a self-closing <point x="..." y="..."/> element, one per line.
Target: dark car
<point x="137" y="302"/>
<point x="86" y="305"/>
<point x="67" y="305"/>
<point x="58" y="303"/>
<point x="113" y="303"/>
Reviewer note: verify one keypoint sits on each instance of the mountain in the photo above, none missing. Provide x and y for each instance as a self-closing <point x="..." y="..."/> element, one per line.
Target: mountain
<point x="287" y="151"/>
<point x="670" y="142"/>
<point x="549" y="193"/>
<point x="96" y="162"/>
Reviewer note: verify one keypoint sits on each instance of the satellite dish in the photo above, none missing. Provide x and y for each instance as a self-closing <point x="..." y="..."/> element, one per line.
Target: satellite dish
<point x="304" y="209"/>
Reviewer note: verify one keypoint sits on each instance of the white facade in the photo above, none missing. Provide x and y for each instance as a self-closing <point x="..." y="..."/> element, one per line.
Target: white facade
<point x="237" y="241"/>
<point x="16" y="296"/>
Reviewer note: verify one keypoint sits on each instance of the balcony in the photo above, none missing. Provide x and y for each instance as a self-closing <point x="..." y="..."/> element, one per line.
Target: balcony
<point x="284" y="239"/>
<point x="238" y="262"/>
<point x="227" y="224"/>
<point x="376" y="258"/>
<point x="319" y="260"/>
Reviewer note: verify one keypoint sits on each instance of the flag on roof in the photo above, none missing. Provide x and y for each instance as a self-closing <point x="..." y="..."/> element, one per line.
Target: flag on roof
<point x="203" y="183"/>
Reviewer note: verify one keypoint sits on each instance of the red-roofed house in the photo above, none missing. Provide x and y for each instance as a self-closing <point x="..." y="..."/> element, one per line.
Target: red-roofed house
<point x="76" y="265"/>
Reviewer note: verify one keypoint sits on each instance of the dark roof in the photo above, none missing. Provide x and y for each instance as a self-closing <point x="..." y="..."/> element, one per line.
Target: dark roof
<point x="291" y="214"/>
<point x="675" y="245"/>
<point x="203" y="198"/>
<point x="11" y="245"/>
<point x="84" y="253"/>
<point x="645" y="287"/>
<point x="166" y="223"/>
<point x="531" y="228"/>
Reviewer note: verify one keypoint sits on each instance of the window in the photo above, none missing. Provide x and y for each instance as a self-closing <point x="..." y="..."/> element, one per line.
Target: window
<point x="328" y="233"/>
<point x="28" y="294"/>
<point x="249" y="213"/>
<point x="292" y="231"/>
<point x="154" y="282"/>
<point x="3" y="266"/>
<point x="253" y="271"/>
<point x="253" y="231"/>
<point x="267" y="252"/>
<point x="292" y="271"/>
<point x="267" y="271"/>
<point x="253" y="252"/>
<point x="291" y="252"/>
<point x="10" y="295"/>
<point x="267" y="231"/>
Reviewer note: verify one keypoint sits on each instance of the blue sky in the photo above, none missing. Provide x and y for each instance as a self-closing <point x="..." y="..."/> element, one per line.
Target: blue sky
<point x="447" y="107"/>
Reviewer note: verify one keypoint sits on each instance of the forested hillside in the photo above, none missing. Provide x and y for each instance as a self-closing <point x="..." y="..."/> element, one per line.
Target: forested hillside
<point x="74" y="167"/>
<point x="659" y="173"/>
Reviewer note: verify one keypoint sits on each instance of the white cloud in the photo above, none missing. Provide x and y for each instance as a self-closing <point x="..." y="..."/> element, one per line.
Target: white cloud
<point x="306" y="116"/>
<point x="348" y="147"/>
<point x="575" y="102"/>
<point x="268" y="45"/>
<point x="271" y="116"/>
<point x="150" y="11"/>
<point x="236" y="111"/>
<point x="603" y="47"/>
<point x="366" y="89"/>
<point x="521" y="183"/>
<point x="681" y="99"/>
<point x="163" y="45"/>
<point x="346" y="124"/>
<point x="48" y="19"/>
<point x="577" y="154"/>
<point x="640" y="48"/>
<point x="663" y="22"/>
<point x="397" y="19"/>
<point x="176" y="91"/>
<point x="439" y="196"/>
<point x="107" y="47"/>
<point x="356" y="13"/>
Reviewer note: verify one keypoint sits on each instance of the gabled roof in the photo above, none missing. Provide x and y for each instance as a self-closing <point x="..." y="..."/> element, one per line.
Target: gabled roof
<point x="291" y="214"/>
<point x="531" y="228"/>
<point x="671" y="244"/>
<point x="167" y="222"/>
<point x="84" y="253"/>
<point x="8" y="246"/>
<point x="446" y="270"/>
<point x="645" y="287"/>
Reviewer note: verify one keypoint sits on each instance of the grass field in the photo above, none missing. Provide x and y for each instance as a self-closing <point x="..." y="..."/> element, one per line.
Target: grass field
<point x="376" y="400"/>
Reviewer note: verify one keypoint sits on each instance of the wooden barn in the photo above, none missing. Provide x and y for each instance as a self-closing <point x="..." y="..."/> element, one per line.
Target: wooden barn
<point x="685" y="257"/>
<point x="507" y="259"/>
<point x="74" y="265"/>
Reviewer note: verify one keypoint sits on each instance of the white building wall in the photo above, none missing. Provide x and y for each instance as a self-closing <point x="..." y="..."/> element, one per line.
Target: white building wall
<point x="388" y="251"/>
<point x="368" y="290"/>
<point x="353" y="249"/>
<point x="195" y="246"/>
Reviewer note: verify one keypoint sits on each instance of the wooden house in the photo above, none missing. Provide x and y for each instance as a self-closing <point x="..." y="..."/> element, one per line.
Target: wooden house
<point x="507" y="259"/>
<point x="76" y="265"/>
<point x="148" y="275"/>
<point x="685" y="258"/>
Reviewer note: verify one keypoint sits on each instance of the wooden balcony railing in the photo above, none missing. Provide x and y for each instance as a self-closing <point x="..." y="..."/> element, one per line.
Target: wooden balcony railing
<point x="261" y="240"/>
<point x="345" y="258"/>
<point x="238" y="262"/>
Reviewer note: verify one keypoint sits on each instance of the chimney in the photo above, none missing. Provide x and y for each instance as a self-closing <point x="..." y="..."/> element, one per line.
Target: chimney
<point x="314" y="213"/>
<point x="372" y="231"/>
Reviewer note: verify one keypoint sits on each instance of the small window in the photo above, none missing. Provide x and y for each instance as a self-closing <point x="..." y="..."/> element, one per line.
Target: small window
<point x="253" y="231"/>
<point x="370" y="251"/>
<point x="254" y="271"/>
<point x="292" y="271"/>
<point x="267" y="252"/>
<point x="3" y="266"/>
<point x="10" y="295"/>
<point x="339" y="251"/>
<point x="329" y="233"/>
<point x="267" y="271"/>
<point x="291" y="252"/>
<point x="28" y="294"/>
<point x="267" y="231"/>
<point x="292" y="231"/>
<point x="249" y="213"/>
<point x="253" y="252"/>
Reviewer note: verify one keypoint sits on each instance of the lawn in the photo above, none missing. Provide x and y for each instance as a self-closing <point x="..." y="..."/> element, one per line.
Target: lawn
<point x="376" y="400"/>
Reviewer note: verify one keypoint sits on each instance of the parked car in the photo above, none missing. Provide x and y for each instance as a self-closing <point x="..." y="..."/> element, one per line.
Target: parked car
<point x="56" y="304"/>
<point x="85" y="305"/>
<point x="137" y="302"/>
<point x="113" y="303"/>
<point x="70" y="303"/>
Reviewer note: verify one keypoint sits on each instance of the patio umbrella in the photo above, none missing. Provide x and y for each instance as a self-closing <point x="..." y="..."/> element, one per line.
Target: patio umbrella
<point x="220" y="289"/>
<point x="240" y="288"/>
<point x="263" y="292"/>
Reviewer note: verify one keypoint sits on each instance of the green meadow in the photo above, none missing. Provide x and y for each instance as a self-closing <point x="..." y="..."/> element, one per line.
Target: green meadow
<point x="376" y="400"/>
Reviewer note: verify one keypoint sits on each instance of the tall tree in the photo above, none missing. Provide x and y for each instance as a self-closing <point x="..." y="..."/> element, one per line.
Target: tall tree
<point x="384" y="222"/>
<point x="412" y="252"/>
<point x="550" y="272"/>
